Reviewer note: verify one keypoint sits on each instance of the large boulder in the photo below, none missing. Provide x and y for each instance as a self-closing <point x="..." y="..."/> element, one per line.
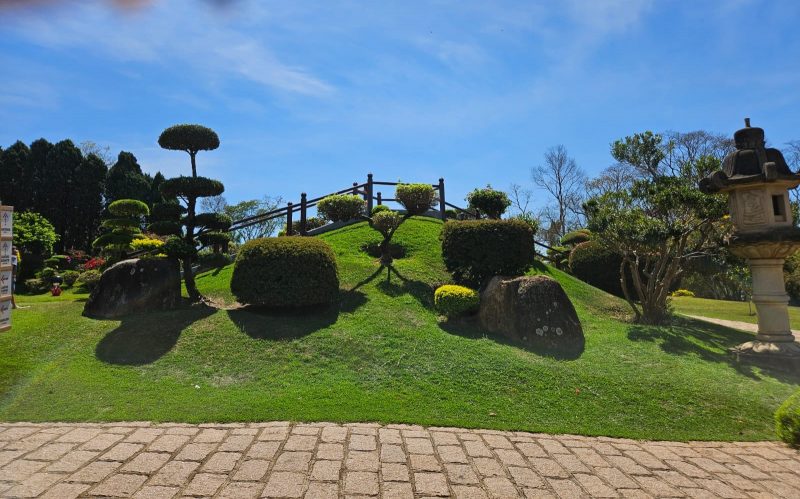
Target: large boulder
<point x="533" y="311"/>
<point x="137" y="285"/>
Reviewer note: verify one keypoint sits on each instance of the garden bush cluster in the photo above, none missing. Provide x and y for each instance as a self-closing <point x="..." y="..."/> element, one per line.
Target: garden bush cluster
<point x="452" y="300"/>
<point x="341" y="207"/>
<point x="592" y="263"/>
<point x="489" y="202"/>
<point x="476" y="250"/>
<point x="787" y="420"/>
<point x="285" y="272"/>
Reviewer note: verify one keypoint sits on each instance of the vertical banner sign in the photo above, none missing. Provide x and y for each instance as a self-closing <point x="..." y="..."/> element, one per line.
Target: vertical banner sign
<point x="6" y="279"/>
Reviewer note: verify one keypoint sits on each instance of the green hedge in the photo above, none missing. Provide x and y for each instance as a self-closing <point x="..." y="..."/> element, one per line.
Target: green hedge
<point x="191" y="187"/>
<point x="128" y="208"/>
<point x="452" y="300"/>
<point x="592" y="263"/>
<point x="787" y="420"/>
<point x="417" y="199"/>
<point x="489" y="202"/>
<point x="576" y="237"/>
<point x="285" y="272"/>
<point x="341" y="207"/>
<point x="476" y="250"/>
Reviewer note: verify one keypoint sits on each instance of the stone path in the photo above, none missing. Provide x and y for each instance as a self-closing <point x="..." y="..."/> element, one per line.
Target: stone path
<point x="743" y="326"/>
<point x="327" y="460"/>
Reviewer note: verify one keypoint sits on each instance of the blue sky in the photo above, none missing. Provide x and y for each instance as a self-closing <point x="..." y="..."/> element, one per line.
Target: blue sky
<point x="313" y="95"/>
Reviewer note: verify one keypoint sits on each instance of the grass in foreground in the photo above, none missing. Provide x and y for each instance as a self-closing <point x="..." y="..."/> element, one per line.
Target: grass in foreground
<point x="728" y="310"/>
<point x="382" y="355"/>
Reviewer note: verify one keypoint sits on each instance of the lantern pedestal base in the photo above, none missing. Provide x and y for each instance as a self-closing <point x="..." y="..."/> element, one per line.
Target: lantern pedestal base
<point x="784" y="356"/>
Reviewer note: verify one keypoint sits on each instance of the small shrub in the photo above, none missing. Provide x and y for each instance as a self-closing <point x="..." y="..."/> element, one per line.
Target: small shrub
<point x="373" y="249"/>
<point x="451" y="214"/>
<point x="47" y="273"/>
<point x="146" y="244"/>
<point x="175" y="247"/>
<point x="89" y="279"/>
<point x="341" y="207"/>
<point x="70" y="276"/>
<point x="285" y="272"/>
<point x="476" y="250"/>
<point x="379" y="208"/>
<point x="94" y="263"/>
<point x="594" y="264"/>
<point x="683" y="292"/>
<point x="452" y="300"/>
<point x="787" y="420"/>
<point x="37" y="286"/>
<point x="315" y="222"/>
<point x="128" y="208"/>
<point x="386" y="221"/>
<point x="489" y="202"/>
<point x="59" y="262"/>
<point x="214" y="260"/>
<point x="417" y="199"/>
<point x="576" y="237"/>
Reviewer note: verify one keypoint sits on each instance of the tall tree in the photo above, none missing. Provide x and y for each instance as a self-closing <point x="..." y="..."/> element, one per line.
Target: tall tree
<point x="617" y="177"/>
<point x="58" y="189"/>
<point x="89" y="182"/>
<point x="37" y="165"/>
<point x="643" y="152"/>
<point x="17" y="186"/>
<point x="682" y="151"/>
<point x="563" y="180"/>
<point x="126" y="181"/>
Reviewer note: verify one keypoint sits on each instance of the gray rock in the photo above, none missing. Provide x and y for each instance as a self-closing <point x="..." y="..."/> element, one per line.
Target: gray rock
<point x="137" y="285"/>
<point x="533" y="311"/>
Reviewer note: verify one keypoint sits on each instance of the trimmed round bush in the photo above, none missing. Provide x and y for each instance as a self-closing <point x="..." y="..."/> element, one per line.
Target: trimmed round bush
<point x="70" y="276"/>
<point x="211" y="238"/>
<point x="146" y="244"/>
<point x="167" y="211"/>
<point x="165" y="228"/>
<point x="212" y="221"/>
<point x="490" y="202"/>
<point x="37" y="286"/>
<point x="576" y="237"/>
<point x="379" y="208"/>
<point x="787" y="420"/>
<point x="189" y="138"/>
<point x="89" y="279"/>
<point x="341" y="207"/>
<point x="683" y="292"/>
<point x="188" y="187"/>
<point x="315" y="222"/>
<point x="474" y="251"/>
<point x="417" y="199"/>
<point x="452" y="300"/>
<point x="386" y="221"/>
<point x="128" y="208"/>
<point x="285" y="272"/>
<point x="594" y="264"/>
<point x="175" y="247"/>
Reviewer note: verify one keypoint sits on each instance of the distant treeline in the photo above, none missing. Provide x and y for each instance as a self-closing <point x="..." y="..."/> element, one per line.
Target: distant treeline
<point x="71" y="186"/>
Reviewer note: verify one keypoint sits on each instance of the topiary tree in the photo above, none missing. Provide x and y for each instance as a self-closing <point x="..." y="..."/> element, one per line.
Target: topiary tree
<point x="488" y="201"/>
<point x="124" y="227"/>
<point x="183" y="222"/>
<point x="341" y="207"/>
<point x="417" y="199"/>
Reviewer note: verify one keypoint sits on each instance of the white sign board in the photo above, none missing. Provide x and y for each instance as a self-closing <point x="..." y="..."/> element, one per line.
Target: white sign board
<point x="6" y="221"/>
<point x="5" y="252"/>
<point x="5" y="281"/>
<point x="5" y="314"/>
<point x="6" y="232"/>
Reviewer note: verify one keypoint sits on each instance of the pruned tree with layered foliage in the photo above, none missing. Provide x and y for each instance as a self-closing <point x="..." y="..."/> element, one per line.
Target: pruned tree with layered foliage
<point x="183" y="222"/>
<point x="123" y="227"/>
<point x="417" y="199"/>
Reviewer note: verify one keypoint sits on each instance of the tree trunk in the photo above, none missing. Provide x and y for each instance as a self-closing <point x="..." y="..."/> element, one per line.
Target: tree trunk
<point x="188" y="273"/>
<point x="194" y="164"/>
<point x="386" y="251"/>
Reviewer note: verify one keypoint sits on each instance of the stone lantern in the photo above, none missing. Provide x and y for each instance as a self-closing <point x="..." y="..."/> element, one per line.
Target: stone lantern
<point x="757" y="181"/>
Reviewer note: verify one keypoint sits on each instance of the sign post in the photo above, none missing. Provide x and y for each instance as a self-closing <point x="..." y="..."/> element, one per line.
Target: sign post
<point x="6" y="275"/>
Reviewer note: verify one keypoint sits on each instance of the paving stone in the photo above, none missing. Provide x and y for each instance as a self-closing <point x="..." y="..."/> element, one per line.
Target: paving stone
<point x="392" y="454"/>
<point x="548" y="467"/>
<point x="394" y="472"/>
<point x="306" y="430"/>
<point x="241" y="490"/>
<point x="333" y="434"/>
<point x="210" y="435"/>
<point x="144" y="435"/>
<point x="488" y="467"/>
<point x="330" y="451"/>
<point x="121" y="452"/>
<point x="72" y="461"/>
<point x="674" y="478"/>
<point x="251" y="470"/>
<point x="525" y="477"/>
<point x="322" y="490"/>
<point x="50" y="452"/>
<point x="362" y="461"/>
<point x="146" y="462"/>
<point x="419" y="446"/>
<point x="361" y="482"/>
<point x="102" y="441"/>
<point x="66" y="491"/>
<point x="222" y="462"/>
<point x="195" y="452"/>
<point x="362" y="442"/>
<point x="511" y="457"/>
<point x="461" y="473"/>
<point x="236" y="443"/>
<point x="204" y="484"/>
<point x="273" y="434"/>
<point x="326" y="471"/>
<point x="646" y="459"/>
<point x="444" y="438"/>
<point x="658" y="487"/>
<point x="94" y="472"/>
<point x="628" y="465"/>
<point x="431" y="484"/>
<point x="498" y="442"/>
<point x="397" y="490"/>
<point x="616" y="478"/>
<point x="293" y="461"/>
<point x="477" y="448"/>
<point x="423" y="462"/>
<point x="168" y="443"/>
<point x="590" y="457"/>
<point x="263" y="450"/>
<point x="156" y="492"/>
<point x="500" y="487"/>
<point x="566" y="489"/>
<point x="594" y="486"/>
<point x="300" y="443"/>
<point x="119" y="485"/>
<point x="174" y="473"/>
<point x="79" y="435"/>
<point x="468" y="492"/>
<point x="34" y="485"/>
<point x="389" y="436"/>
<point x="688" y="469"/>
<point x="553" y="446"/>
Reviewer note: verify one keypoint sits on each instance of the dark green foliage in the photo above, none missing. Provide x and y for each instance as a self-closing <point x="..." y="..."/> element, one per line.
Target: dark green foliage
<point x="452" y="300"/>
<point x="341" y="207"/>
<point x="451" y="214"/>
<point x="35" y="237"/>
<point x="37" y="286"/>
<point x="285" y="272"/>
<point x="417" y="199"/>
<point x="315" y="222"/>
<point x="119" y="239"/>
<point x="386" y="222"/>
<point x="476" y="250"/>
<point x="191" y="187"/>
<point x="129" y="208"/>
<point x="189" y="138"/>
<point x="489" y="202"/>
<point x="126" y="180"/>
<point x="167" y="211"/>
<point x="213" y="260"/>
<point x="60" y="262"/>
<point x="89" y="279"/>
<point x="70" y="276"/>
<point x="165" y="228"/>
<point x="175" y="247"/>
<point x="576" y="237"/>
<point x="212" y="238"/>
<point x="379" y="208"/>
<point x="212" y="221"/>
<point x="47" y="273"/>
<point x="89" y="186"/>
<point x="16" y="188"/>
<point x="594" y="264"/>
<point x="787" y="420"/>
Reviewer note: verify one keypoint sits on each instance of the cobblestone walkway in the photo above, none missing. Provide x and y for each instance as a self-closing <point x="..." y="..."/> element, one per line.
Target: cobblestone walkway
<point x="328" y="460"/>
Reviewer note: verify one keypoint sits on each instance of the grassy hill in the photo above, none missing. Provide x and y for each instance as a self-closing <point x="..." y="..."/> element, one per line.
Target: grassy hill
<point x="382" y="355"/>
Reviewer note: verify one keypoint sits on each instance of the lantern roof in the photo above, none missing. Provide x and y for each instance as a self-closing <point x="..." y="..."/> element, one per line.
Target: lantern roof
<point x="751" y="163"/>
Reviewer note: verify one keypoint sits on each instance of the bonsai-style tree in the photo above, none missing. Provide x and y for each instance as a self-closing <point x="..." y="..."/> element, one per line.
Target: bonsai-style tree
<point x="186" y="228"/>
<point x="124" y="226"/>
<point x="416" y="199"/>
<point x="489" y="202"/>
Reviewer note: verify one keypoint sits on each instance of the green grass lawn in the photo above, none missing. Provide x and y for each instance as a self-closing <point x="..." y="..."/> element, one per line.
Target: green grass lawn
<point x="382" y="355"/>
<point x="723" y="309"/>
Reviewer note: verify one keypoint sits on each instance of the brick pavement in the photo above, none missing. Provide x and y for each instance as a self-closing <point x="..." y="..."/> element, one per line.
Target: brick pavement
<point x="318" y="460"/>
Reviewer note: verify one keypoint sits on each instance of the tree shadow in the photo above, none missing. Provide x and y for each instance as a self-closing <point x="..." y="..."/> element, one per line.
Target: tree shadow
<point x="144" y="338"/>
<point x="401" y="285"/>
<point x="290" y="323"/>
<point x="469" y="327"/>
<point x="708" y="341"/>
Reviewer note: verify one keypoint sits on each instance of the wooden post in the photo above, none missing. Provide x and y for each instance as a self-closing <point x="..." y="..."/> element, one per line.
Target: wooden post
<point x="303" y="214"/>
<point x="355" y="188"/>
<point x="442" y="207"/>
<point x="368" y="194"/>
<point x="289" y="231"/>
<point x="380" y="200"/>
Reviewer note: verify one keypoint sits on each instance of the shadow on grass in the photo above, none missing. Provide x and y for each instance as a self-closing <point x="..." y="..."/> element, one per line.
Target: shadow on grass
<point x="144" y="338"/>
<point x="284" y="324"/>
<point x="469" y="327"/>
<point x="708" y="341"/>
<point x="396" y="284"/>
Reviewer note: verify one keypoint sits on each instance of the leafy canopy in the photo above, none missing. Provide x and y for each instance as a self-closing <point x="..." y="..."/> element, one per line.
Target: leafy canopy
<point x="189" y="138"/>
<point x="33" y="233"/>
